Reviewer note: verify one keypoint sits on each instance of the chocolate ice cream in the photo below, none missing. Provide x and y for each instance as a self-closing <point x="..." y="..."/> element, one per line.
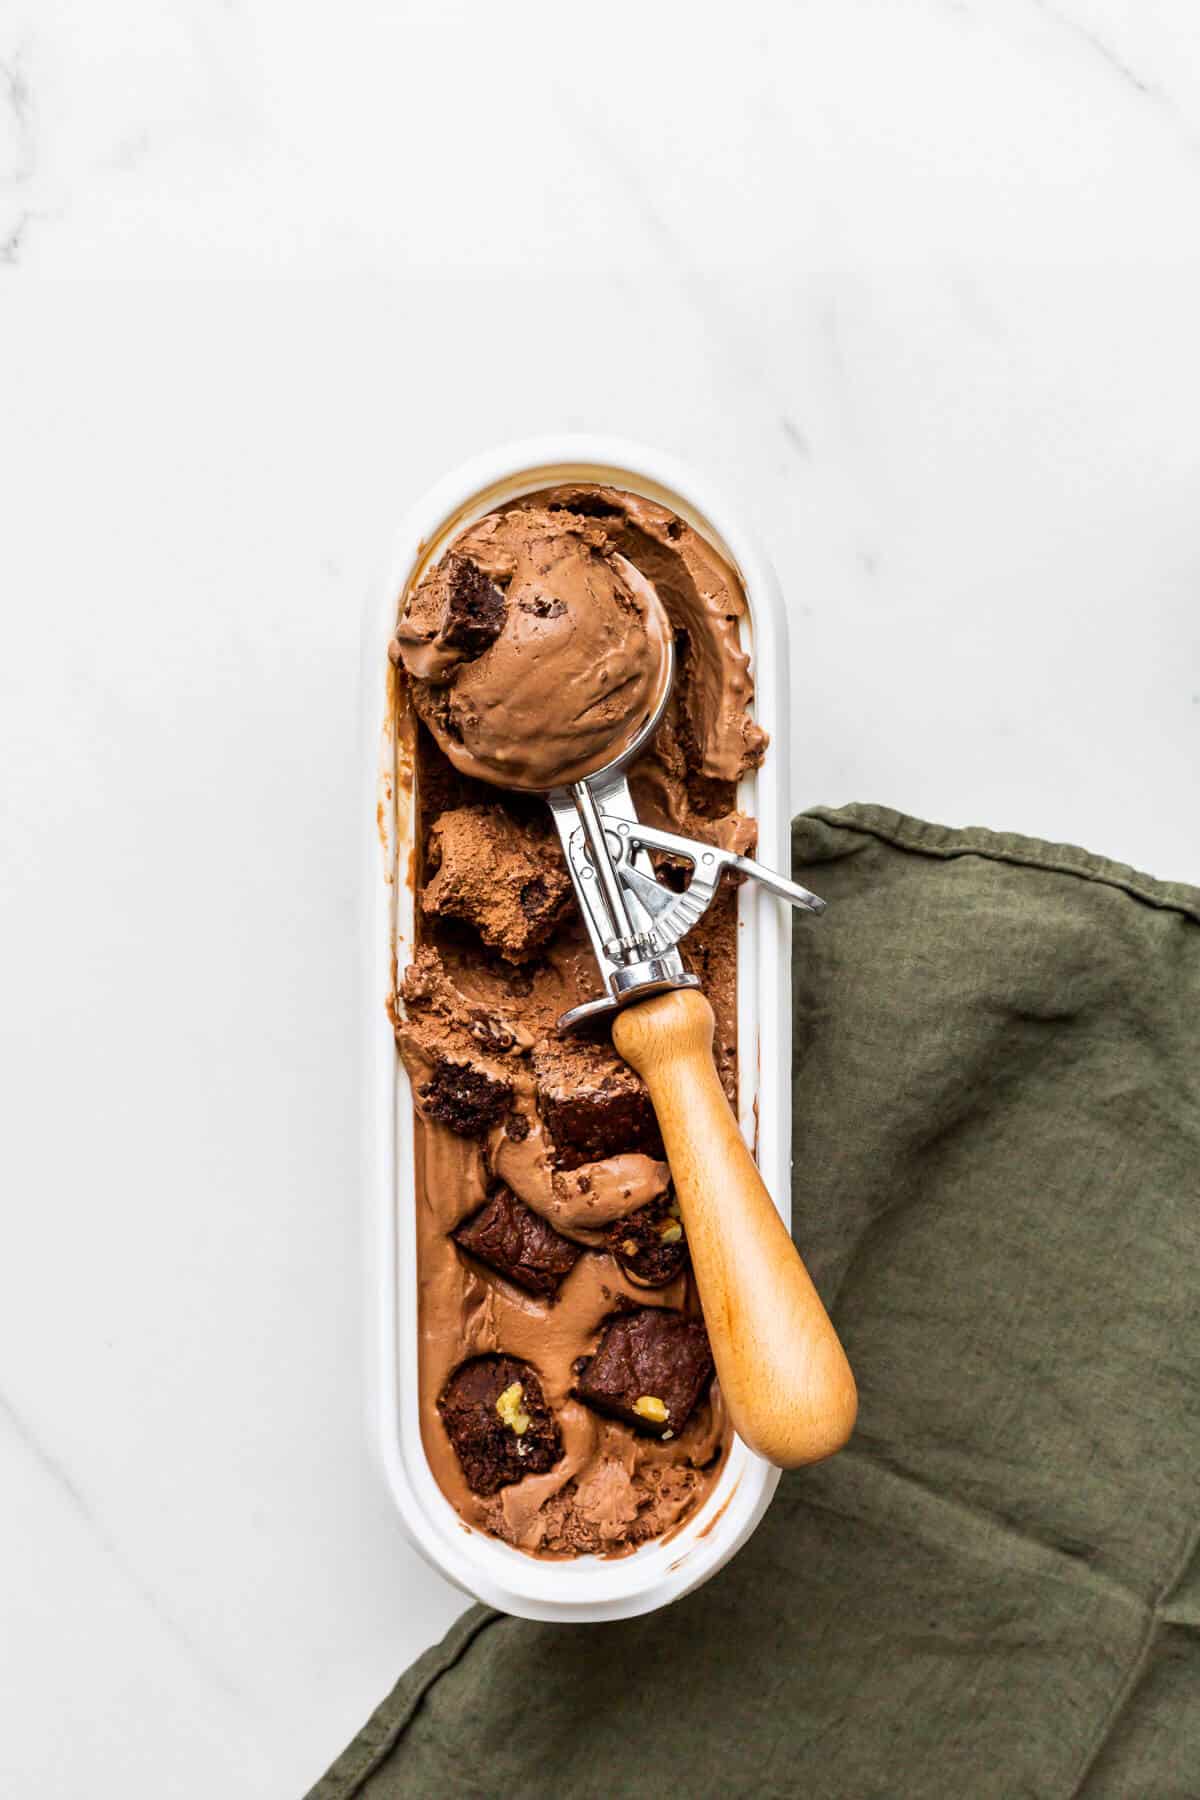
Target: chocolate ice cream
<point x="537" y="651"/>
<point x="558" y="1315"/>
<point x="504" y="876"/>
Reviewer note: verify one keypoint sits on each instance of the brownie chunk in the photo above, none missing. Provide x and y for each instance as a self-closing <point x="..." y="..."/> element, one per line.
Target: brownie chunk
<point x="649" y="1244"/>
<point x="505" y="877"/>
<point x="466" y="1098"/>
<point x="475" y="608"/>
<point x="592" y="1104"/>
<point x="649" y="1369"/>
<point x="511" y="1237"/>
<point x="497" y="1419"/>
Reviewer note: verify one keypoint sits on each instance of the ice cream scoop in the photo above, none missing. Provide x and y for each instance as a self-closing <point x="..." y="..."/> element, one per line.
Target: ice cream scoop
<point x="543" y="661"/>
<point x="783" y="1371"/>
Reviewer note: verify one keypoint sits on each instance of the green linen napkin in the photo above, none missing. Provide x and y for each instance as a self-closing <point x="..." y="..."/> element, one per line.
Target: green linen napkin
<point x="995" y="1591"/>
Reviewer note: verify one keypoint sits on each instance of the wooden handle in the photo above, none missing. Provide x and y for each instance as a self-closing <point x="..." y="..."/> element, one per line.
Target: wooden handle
<point x="782" y="1369"/>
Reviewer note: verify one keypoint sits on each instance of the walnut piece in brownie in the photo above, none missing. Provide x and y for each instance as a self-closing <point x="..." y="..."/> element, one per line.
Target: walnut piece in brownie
<point x="591" y="1103"/>
<point x="466" y="1097"/>
<point x="649" y="1244"/>
<point x="475" y="608"/>
<point x="497" y="1419"/>
<point x="510" y="1237"/>
<point x="506" y="878"/>
<point x="649" y="1369"/>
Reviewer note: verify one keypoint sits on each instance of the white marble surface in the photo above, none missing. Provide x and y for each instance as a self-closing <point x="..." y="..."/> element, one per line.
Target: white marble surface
<point x="919" y="279"/>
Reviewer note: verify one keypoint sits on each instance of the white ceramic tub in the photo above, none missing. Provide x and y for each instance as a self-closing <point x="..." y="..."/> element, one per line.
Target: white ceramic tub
<point x="589" y="1587"/>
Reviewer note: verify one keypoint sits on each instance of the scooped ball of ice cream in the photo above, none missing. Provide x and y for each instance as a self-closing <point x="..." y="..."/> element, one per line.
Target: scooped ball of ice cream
<point x="537" y="651"/>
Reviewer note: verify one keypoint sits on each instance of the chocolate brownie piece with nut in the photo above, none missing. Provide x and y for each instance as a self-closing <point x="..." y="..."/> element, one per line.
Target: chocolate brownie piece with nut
<point x="497" y="1419"/>
<point x="649" y="1244"/>
<point x="649" y="1369"/>
<point x="510" y="1237"/>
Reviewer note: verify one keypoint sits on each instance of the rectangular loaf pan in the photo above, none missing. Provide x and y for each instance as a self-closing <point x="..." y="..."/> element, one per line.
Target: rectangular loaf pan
<point x="589" y="1587"/>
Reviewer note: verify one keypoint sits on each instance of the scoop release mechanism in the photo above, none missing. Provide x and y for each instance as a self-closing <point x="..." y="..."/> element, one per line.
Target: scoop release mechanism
<point x="633" y="920"/>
